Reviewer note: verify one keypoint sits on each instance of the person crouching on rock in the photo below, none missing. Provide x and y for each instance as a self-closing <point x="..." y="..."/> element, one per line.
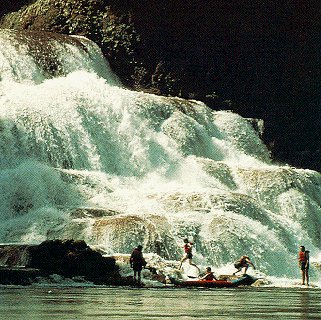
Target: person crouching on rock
<point x="137" y="262"/>
<point x="243" y="262"/>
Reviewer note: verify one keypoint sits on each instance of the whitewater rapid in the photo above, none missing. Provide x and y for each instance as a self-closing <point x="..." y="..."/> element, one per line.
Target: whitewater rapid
<point x="83" y="157"/>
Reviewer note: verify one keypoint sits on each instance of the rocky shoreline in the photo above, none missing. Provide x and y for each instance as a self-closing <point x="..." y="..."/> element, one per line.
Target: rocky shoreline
<point x="74" y="263"/>
<point x="55" y="261"/>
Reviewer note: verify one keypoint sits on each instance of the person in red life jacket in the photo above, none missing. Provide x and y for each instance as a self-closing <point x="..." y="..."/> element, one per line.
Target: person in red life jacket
<point x="137" y="262"/>
<point x="209" y="275"/>
<point x="303" y="258"/>
<point x="188" y="254"/>
<point x="243" y="262"/>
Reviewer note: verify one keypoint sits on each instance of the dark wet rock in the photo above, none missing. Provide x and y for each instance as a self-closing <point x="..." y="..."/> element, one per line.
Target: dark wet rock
<point x="19" y="276"/>
<point x="71" y="258"/>
<point x="16" y="255"/>
<point x="92" y="213"/>
<point x="67" y="258"/>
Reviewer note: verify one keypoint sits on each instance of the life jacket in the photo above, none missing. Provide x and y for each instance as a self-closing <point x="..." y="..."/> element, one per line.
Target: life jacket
<point x="302" y="256"/>
<point x="187" y="248"/>
<point x="210" y="276"/>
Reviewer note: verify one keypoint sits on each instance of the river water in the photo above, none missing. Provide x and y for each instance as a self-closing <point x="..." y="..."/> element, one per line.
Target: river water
<point x="161" y="303"/>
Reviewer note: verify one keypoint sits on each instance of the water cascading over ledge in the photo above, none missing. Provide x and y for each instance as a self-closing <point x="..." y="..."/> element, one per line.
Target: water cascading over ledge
<point x="36" y="56"/>
<point x="82" y="157"/>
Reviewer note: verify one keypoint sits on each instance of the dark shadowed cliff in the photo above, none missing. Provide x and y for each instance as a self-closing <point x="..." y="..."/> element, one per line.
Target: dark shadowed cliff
<point x="259" y="59"/>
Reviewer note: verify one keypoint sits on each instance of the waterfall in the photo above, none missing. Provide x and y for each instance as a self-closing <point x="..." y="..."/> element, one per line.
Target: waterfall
<point x="36" y="56"/>
<point x="83" y="157"/>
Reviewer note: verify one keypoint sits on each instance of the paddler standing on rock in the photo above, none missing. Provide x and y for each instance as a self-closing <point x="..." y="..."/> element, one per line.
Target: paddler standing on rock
<point x="137" y="262"/>
<point x="243" y="262"/>
<point x="303" y="257"/>
<point x="188" y="254"/>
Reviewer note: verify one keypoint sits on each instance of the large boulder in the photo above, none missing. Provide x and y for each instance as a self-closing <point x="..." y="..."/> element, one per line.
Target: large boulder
<point x="23" y="264"/>
<point x="71" y="258"/>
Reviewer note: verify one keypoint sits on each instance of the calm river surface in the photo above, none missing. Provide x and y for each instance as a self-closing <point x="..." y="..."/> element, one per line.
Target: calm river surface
<point x="159" y="303"/>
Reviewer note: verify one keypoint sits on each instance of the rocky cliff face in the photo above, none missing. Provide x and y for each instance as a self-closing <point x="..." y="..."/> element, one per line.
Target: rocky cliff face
<point x="258" y="59"/>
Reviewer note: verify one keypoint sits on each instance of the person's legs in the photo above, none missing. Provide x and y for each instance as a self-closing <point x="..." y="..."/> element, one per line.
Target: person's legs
<point x="193" y="264"/>
<point x="139" y="276"/>
<point x="303" y="276"/>
<point x="307" y="276"/>
<point x="238" y="270"/>
<point x="182" y="260"/>
<point x="237" y="266"/>
<point x="134" y="275"/>
<point x="303" y="272"/>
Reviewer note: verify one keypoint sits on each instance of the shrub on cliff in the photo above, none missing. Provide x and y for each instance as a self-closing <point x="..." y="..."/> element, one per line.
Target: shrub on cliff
<point x="95" y="19"/>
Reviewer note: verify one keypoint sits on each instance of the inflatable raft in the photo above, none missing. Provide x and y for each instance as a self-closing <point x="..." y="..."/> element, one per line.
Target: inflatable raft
<point x="226" y="282"/>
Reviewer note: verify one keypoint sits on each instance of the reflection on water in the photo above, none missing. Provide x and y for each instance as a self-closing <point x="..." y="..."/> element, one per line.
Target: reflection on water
<point x="126" y="303"/>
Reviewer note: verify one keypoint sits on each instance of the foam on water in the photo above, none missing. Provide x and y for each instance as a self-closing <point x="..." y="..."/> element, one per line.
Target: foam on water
<point x="84" y="158"/>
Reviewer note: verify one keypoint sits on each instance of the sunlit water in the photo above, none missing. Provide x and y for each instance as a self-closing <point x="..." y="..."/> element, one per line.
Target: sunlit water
<point x="166" y="303"/>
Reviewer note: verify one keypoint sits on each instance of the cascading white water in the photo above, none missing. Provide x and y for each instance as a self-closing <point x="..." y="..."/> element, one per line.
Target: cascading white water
<point x="81" y="157"/>
<point x="36" y="56"/>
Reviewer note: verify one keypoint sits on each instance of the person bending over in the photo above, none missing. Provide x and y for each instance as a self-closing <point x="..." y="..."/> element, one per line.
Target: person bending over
<point x="243" y="262"/>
